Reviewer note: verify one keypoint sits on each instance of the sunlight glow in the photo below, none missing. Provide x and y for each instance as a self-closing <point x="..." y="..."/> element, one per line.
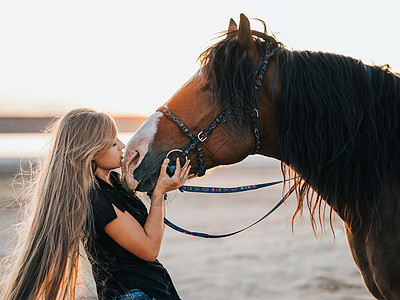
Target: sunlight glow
<point x="126" y="58"/>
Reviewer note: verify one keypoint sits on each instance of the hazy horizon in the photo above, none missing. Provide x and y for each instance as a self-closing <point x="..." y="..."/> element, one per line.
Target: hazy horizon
<point x="38" y="124"/>
<point x="49" y="115"/>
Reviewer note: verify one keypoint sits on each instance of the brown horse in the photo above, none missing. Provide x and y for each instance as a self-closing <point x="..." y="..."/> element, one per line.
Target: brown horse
<point x="330" y="119"/>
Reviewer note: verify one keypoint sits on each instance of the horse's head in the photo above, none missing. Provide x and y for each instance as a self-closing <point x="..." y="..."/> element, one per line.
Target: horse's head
<point x="211" y="118"/>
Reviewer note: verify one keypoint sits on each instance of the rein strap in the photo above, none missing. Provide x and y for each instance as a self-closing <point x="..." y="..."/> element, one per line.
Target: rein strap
<point x="220" y="190"/>
<point x="215" y="236"/>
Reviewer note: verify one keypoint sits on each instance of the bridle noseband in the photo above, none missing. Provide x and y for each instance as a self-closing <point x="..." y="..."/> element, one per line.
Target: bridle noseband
<point x="197" y="140"/>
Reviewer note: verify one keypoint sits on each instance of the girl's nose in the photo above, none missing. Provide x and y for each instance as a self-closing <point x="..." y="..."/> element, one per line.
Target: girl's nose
<point x="121" y="145"/>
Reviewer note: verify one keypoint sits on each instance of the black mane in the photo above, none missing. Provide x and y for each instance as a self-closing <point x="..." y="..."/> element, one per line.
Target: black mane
<point x="339" y="129"/>
<point x="339" y="121"/>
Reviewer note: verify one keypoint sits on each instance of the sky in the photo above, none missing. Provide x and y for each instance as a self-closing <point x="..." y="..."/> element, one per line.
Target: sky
<point x="129" y="57"/>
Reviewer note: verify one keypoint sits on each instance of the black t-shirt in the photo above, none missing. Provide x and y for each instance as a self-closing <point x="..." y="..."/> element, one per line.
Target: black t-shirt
<point x="115" y="269"/>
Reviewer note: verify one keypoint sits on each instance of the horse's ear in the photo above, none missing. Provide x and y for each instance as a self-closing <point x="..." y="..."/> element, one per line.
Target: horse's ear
<point x="231" y="29"/>
<point x="244" y="35"/>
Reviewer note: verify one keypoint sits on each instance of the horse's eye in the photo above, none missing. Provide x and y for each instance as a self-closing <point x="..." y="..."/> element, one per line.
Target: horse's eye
<point x="207" y="88"/>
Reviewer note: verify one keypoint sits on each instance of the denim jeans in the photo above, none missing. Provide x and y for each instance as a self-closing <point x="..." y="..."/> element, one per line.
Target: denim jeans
<point x="134" y="294"/>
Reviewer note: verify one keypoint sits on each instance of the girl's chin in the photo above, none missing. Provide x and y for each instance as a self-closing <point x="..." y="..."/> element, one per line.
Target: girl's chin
<point x="117" y="166"/>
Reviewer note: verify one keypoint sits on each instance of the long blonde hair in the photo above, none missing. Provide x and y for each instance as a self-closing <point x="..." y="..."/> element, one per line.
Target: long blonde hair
<point x="46" y="261"/>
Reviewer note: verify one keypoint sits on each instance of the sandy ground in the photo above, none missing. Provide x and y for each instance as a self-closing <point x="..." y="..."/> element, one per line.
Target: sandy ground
<point x="268" y="261"/>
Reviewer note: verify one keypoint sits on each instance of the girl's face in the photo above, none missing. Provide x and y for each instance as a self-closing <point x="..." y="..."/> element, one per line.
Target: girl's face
<point x="111" y="159"/>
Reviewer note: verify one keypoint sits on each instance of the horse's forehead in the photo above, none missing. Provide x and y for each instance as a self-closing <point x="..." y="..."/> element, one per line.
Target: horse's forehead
<point x="146" y="132"/>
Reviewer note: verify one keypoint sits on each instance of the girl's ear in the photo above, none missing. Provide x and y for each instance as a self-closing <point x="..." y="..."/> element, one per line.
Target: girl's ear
<point x="94" y="166"/>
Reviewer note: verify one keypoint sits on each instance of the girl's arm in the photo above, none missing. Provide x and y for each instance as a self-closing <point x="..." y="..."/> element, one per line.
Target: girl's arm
<point x="145" y="242"/>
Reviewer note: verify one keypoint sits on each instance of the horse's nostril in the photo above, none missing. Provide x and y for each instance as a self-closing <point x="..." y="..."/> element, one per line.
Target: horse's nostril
<point x="135" y="159"/>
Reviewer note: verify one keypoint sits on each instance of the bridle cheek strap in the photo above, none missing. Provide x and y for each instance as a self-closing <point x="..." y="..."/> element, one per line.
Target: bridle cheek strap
<point x="259" y="76"/>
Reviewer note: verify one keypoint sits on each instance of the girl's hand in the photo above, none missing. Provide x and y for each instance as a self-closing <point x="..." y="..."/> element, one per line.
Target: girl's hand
<point x="165" y="183"/>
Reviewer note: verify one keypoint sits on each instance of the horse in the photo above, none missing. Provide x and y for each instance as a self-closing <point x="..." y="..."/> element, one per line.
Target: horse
<point x="331" y="120"/>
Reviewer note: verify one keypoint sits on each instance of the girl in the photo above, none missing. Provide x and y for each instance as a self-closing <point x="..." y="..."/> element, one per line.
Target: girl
<point x="77" y="198"/>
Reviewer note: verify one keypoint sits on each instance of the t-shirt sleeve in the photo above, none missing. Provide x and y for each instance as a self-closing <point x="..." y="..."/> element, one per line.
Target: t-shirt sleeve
<point x="103" y="209"/>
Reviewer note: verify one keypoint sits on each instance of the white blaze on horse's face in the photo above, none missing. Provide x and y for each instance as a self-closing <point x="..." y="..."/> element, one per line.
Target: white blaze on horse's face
<point x="137" y="148"/>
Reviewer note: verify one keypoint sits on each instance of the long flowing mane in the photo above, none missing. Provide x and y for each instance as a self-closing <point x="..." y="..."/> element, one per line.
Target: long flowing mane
<point x="339" y="121"/>
<point x="339" y="129"/>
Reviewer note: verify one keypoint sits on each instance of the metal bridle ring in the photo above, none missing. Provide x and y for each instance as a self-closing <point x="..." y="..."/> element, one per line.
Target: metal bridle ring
<point x="178" y="150"/>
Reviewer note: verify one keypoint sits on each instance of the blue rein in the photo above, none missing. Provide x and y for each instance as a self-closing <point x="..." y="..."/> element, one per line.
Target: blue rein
<point x="200" y="189"/>
<point x="219" y="190"/>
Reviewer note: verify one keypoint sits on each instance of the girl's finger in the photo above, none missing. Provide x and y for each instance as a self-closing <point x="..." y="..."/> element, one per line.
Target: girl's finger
<point x="186" y="171"/>
<point x="184" y="175"/>
<point x="178" y="169"/>
<point x="164" y="166"/>
<point x="188" y="163"/>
